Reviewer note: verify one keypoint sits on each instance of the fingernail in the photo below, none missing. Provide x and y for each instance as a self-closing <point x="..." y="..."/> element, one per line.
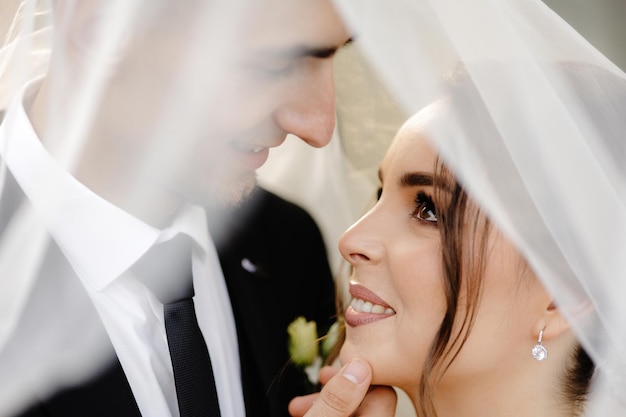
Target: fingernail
<point x="356" y="371"/>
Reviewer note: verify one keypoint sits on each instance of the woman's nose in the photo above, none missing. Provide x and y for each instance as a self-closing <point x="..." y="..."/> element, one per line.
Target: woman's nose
<point x="361" y="244"/>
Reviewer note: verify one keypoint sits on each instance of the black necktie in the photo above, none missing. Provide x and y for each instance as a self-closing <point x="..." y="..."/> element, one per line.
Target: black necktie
<point x="166" y="270"/>
<point x="193" y="374"/>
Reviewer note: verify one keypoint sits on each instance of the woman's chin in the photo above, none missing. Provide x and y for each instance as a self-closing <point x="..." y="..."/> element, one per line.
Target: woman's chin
<point x="350" y="351"/>
<point x="385" y="368"/>
<point x="345" y="354"/>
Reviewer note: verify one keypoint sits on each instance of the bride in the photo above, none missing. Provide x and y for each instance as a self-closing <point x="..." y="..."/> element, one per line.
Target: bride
<point x="445" y="306"/>
<point x="508" y="246"/>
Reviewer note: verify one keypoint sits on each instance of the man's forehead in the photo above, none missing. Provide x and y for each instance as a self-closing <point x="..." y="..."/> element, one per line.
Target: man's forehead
<point x="296" y="27"/>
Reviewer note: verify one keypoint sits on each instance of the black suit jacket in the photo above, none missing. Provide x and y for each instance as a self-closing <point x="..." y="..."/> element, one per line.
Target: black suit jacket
<point x="276" y="269"/>
<point x="292" y="278"/>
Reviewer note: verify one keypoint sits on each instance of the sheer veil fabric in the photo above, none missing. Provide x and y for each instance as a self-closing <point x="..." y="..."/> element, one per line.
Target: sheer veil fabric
<point x="536" y="133"/>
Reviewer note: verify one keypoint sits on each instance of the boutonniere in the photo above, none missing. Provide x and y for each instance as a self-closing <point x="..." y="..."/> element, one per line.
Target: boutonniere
<point x="307" y="349"/>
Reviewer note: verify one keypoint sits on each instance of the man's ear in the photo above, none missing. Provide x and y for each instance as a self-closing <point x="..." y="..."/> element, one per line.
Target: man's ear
<point x="551" y="322"/>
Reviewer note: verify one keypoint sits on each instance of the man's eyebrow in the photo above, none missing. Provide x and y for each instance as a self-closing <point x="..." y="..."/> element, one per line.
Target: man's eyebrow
<point x="297" y="52"/>
<point x="322" y="53"/>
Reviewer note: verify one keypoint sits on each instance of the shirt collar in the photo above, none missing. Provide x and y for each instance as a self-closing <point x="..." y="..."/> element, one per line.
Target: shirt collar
<point x="99" y="239"/>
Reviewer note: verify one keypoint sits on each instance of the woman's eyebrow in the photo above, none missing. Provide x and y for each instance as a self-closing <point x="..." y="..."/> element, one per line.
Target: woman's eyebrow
<point x="417" y="179"/>
<point x="412" y="179"/>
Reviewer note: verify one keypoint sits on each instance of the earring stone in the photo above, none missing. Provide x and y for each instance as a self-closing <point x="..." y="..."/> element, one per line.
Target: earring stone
<point x="539" y="351"/>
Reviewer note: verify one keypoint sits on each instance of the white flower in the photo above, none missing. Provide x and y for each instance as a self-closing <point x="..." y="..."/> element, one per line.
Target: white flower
<point x="313" y="371"/>
<point x="304" y="346"/>
<point x="303" y="343"/>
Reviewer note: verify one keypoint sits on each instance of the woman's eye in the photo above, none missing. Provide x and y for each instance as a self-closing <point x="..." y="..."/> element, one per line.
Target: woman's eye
<point x="379" y="192"/>
<point x="425" y="208"/>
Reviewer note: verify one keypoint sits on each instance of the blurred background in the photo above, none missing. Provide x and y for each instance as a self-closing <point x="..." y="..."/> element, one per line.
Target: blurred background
<point x="601" y="22"/>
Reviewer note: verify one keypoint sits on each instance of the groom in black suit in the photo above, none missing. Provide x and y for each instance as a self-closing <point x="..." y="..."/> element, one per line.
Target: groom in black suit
<point x="265" y="295"/>
<point x="276" y="269"/>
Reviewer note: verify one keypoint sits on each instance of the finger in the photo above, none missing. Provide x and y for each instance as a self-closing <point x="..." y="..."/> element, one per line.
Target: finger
<point x="379" y="402"/>
<point x="343" y="393"/>
<point x="326" y="373"/>
<point x="300" y="405"/>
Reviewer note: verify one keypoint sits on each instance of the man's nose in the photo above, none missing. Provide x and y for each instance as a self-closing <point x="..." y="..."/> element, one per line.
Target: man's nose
<point x="309" y="111"/>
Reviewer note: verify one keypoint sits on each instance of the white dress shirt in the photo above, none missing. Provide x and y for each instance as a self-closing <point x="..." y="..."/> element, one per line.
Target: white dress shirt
<point x="101" y="242"/>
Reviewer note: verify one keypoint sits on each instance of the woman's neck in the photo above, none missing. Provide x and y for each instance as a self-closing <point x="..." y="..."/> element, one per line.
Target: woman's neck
<point x="534" y="391"/>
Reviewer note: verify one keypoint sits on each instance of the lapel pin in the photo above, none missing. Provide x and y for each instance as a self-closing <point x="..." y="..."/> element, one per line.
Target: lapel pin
<point x="253" y="268"/>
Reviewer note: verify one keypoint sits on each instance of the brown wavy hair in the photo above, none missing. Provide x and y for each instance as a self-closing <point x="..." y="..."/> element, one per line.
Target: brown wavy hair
<point x="464" y="231"/>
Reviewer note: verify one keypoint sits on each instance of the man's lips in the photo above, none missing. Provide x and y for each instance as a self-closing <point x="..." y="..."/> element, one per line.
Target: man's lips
<point x="247" y="147"/>
<point x="252" y="156"/>
<point x="366" y="307"/>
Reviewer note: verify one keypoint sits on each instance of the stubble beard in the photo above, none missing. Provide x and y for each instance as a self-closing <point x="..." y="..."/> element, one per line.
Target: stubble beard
<point x="224" y="194"/>
<point x="232" y="195"/>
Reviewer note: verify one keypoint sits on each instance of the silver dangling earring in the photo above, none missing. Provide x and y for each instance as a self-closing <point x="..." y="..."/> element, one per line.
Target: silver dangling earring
<point x="539" y="351"/>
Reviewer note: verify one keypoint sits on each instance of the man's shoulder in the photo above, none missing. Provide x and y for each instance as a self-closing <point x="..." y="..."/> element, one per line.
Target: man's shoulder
<point x="277" y="207"/>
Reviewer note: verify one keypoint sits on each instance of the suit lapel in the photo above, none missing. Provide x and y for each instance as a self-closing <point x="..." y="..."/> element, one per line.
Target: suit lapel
<point x="263" y="303"/>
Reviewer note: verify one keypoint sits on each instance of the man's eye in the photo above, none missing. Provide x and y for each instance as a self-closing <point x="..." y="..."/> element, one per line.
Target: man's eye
<point x="276" y="68"/>
<point x="425" y="208"/>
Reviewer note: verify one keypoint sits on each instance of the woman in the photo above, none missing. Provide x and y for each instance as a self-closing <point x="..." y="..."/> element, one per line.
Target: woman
<point x="539" y="147"/>
<point x="444" y="307"/>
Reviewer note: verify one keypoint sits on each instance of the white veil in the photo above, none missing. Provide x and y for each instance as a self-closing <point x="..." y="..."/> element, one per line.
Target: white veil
<point x="539" y="140"/>
<point x="175" y="76"/>
<point x="548" y="166"/>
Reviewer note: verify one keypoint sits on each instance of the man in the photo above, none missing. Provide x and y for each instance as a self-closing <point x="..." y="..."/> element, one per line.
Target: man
<point x="347" y="392"/>
<point x="276" y="269"/>
<point x="117" y="150"/>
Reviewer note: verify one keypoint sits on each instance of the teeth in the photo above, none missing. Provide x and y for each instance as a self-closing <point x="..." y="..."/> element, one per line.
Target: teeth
<point x="363" y="306"/>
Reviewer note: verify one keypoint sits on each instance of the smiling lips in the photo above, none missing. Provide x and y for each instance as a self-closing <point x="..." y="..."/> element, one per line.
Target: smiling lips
<point x="366" y="307"/>
<point x="251" y="155"/>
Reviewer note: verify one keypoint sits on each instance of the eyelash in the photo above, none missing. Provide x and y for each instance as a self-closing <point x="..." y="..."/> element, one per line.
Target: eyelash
<point x="423" y="205"/>
<point x="425" y="208"/>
